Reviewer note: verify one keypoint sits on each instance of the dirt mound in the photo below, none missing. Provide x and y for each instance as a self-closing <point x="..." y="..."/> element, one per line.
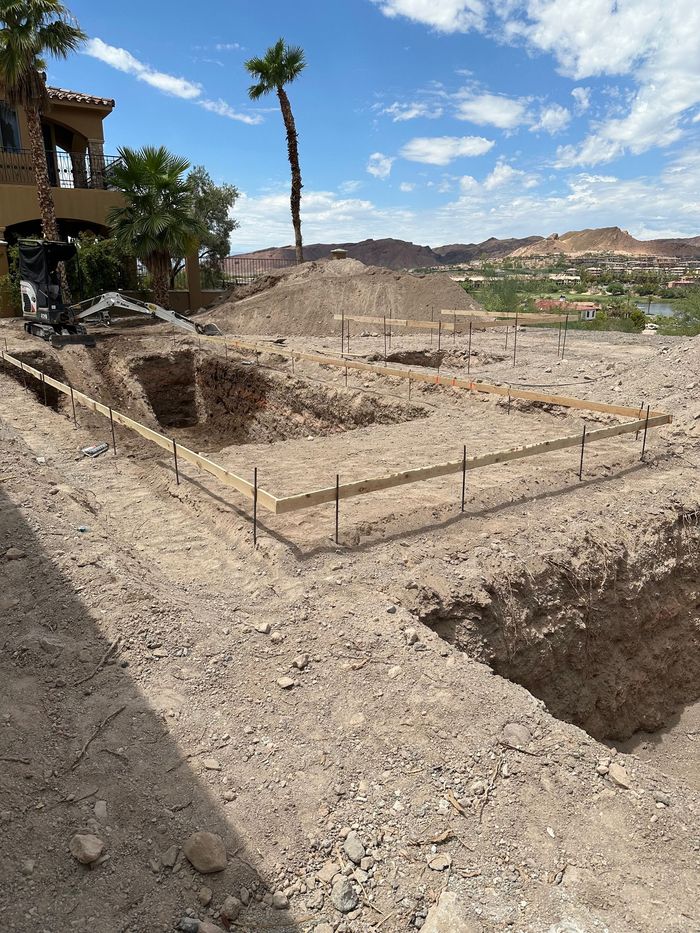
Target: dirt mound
<point x="303" y="300"/>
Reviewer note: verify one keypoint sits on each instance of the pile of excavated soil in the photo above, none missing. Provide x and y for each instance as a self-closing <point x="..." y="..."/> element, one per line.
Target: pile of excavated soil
<point x="302" y="301"/>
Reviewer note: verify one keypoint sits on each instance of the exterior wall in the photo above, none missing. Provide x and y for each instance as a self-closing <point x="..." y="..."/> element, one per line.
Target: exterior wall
<point x="19" y="204"/>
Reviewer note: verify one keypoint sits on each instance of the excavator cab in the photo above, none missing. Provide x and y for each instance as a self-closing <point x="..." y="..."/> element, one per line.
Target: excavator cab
<point x="44" y="312"/>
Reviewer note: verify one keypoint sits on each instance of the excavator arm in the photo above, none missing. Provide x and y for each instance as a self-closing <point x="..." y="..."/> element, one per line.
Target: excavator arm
<point x="96" y="311"/>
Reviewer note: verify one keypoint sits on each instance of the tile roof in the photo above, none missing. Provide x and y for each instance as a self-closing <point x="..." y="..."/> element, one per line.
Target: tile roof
<point x="76" y="97"/>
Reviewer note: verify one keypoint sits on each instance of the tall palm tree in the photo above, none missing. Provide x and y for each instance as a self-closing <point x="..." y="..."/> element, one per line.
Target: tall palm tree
<point x="29" y="31"/>
<point x="157" y="222"/>
<point x="281" y="65"/>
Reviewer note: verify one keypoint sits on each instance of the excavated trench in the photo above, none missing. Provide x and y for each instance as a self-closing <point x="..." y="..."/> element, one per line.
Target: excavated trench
<point x="216" y="403"/>
<point x="609" y="642"/>
<point x="44" y="362"/>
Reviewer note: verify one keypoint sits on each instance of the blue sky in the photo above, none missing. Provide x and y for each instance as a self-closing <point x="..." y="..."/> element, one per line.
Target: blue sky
<point x="437" y="121"/>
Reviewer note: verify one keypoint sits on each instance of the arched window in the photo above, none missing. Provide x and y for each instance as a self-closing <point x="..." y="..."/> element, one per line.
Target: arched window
<point x="9" y="129"/>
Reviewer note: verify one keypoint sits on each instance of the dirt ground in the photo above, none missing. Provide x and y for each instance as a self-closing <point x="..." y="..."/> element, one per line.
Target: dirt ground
<point x="499" y="704"/>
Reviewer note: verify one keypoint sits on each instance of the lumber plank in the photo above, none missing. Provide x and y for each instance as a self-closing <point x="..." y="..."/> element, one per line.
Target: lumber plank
<point x="375" y="484"/>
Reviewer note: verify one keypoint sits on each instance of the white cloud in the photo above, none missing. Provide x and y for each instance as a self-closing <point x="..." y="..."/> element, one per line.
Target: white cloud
<point x="442" y="15"/>
<point x="407" y="186"/>
<point x="223" y="109"/>
<point x="228" y="47"/>
<point x="441" y="150"/>
<point x="347" y="187"/>
<point x="124" y="61"/>
<point x="402" y="112"/>
<point x="553" y="119"/>
<point x="582" y="98"/>
<point x="656" y="44"/>
<point x="379" y="165"/>
<point x="492" y="110"/>
<point x="326" y="218"/>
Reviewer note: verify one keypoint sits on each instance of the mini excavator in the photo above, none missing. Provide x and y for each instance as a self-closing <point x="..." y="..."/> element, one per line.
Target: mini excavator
<point x="46" y="316"/>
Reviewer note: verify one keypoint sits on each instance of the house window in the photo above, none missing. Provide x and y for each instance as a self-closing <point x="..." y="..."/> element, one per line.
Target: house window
<point x="9" y="129"/>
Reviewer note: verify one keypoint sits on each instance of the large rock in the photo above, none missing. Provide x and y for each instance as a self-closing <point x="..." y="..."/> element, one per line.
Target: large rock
<point x="86" y="848"/>
<point x="344" y="896"/>
<point x="450" y="915"/>
<point x="206" y="852"/>
<point x="354" y="849"/>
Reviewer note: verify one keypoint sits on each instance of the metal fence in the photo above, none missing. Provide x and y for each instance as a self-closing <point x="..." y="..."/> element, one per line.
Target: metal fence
<point x="66" y="169"/>
<point x="243" y="269"/>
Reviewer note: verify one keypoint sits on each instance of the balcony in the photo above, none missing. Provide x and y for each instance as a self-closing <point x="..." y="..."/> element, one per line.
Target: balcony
<point x="82" y="170"/>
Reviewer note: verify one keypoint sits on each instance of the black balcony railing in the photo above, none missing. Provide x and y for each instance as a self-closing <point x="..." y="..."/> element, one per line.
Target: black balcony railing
<point x="66" y="169"/>
<point x="241" y="269"/>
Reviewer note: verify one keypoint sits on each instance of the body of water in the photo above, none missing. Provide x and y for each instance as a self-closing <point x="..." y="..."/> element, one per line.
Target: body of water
<point x="661" y="308"/>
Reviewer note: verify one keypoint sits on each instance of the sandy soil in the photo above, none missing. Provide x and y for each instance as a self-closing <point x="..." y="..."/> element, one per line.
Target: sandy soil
<point x="393" y="725"/>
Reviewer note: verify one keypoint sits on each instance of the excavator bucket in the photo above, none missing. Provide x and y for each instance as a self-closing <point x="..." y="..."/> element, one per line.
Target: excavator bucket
<point x="211" y="330"/>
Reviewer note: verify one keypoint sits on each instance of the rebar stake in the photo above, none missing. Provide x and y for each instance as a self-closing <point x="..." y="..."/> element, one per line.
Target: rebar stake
<point x="464" y="475"/>
<point x="566" y="328"/>
<point x="255" y="507"/>
<point x="342" y="331"/>
<point x="114" y="440"/>
<point x="72" y="401"/>
<point x="43" y="382"/>
<point x="515" y="337"/>
<point x="583" y="447"/>
<point x="177" y="472"/>
<point x="337" y="505"/>
<point x="646" y="428"/>
<point x="469" y="351"/>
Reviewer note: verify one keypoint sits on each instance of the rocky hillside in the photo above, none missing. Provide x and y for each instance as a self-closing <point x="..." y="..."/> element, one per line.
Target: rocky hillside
<point x="609" y="240"/>
<point x="401" y="254"/>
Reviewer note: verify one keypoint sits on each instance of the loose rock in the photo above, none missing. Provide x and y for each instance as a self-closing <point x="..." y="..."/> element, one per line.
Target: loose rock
<point x="206" y="852"/>
<point x="231" y="908"/>
<point x="514" y="733"/>
<point x="86" y="848"/>
<point x="286" y="683"/>
<point x="354" y="849"/>
<point x="619" y="776"/>
<point x="343" y="896"/>
<point x="450" y="915"/>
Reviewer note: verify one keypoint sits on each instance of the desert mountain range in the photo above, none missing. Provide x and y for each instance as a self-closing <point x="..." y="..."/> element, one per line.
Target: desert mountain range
<point x="400" y="254"/>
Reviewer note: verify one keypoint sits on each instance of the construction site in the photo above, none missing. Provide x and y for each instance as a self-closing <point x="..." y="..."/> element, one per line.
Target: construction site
<point x="350" y="607"/>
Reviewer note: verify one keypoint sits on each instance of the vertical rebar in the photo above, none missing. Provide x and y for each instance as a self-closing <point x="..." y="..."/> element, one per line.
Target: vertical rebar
<point x="43" y="382"/>
<point x="469" y="351"/>
<point x="390" y="316"/>
<point x="72" y="401"/>
<point x="509" y="401"/>
<point x="337" y="505"/>
<point x="255" y="507"/>
<point x="177" y="472"/>
<point x="439" y="334"/>
<point x="454" y="329"/>
<point x="114" y="440"/>
<point x="583" y="447"/>
<point x="507" y="329"/>
<point x="563" y="343"/>
<point x="348" y="338"/>
<point x="515" y="337"/>
<point x="385" y="340"/>
<point x="342" y="331"/>
<point x="646" y="428"/>
<point x="641" y="412"/>
<point x="409" y="385"/>
<point x="464" y="475"/>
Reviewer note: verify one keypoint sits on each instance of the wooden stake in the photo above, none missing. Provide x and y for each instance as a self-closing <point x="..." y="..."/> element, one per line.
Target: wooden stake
<point x="72" y="401"/>
<point x="177" y="472"/>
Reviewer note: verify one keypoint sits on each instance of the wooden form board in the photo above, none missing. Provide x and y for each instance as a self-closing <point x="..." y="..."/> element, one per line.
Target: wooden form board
<point x="293" y="503"/>
<point x="374" y="484"/>
<point x="540" y="317"/>
<point x="408" y="322"/>
<point x="184" y="453"/>
<point x="444" y="379"/>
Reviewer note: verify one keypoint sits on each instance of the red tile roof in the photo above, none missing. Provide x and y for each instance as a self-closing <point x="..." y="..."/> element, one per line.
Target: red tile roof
<point x="76" y="97"/>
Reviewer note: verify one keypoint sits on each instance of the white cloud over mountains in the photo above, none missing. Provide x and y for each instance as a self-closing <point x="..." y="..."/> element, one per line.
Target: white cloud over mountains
<point x="170" y="84"/>
<point x="503" y="204"/>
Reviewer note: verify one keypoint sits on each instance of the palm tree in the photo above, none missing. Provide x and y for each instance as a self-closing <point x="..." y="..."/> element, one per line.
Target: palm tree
<point x="157" y="222"/>
<point x="281" y="65"/>
<point x="29" y="31"/>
